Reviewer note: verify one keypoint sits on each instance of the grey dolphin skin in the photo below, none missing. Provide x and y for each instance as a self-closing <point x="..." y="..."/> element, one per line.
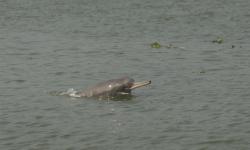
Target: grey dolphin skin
<point x="113" y="88"/>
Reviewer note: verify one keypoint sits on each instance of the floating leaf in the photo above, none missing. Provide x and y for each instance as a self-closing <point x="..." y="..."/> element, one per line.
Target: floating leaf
<point x="155" y="45"/>
<point x="219" y="40"/>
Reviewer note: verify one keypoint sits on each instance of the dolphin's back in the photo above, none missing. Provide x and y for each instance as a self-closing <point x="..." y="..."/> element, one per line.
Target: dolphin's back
<point x="107" y="88"/>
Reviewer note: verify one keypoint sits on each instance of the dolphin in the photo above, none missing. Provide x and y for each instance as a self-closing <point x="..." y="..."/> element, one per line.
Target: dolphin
<point x="112" y="88"/>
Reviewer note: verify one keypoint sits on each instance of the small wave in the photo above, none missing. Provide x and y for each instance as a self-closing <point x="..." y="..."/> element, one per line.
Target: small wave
<point x="70" y="92"/>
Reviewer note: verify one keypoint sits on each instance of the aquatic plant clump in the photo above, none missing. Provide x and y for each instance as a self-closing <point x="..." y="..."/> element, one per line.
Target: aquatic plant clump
<point x="219" y="40"/>
<point x="155" y="45"/>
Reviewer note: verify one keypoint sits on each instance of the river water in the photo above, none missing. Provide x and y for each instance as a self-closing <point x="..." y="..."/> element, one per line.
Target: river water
<point x="200" y="91"/>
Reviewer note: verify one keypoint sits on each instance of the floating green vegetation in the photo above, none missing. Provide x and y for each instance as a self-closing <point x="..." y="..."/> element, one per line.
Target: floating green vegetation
<point x="155" y="45"/>
<point x="158" y="45"/>
<point x="219" y="40"/>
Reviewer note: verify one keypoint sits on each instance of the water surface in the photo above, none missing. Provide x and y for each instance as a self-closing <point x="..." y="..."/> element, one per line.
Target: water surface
<point x="199" y="97"/>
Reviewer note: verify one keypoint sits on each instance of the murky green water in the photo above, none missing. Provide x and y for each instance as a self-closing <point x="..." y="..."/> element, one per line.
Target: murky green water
<point x="199" y="97"/>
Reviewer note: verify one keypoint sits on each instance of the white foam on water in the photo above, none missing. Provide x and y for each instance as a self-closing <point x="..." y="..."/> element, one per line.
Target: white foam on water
<point x="71" y="92"/>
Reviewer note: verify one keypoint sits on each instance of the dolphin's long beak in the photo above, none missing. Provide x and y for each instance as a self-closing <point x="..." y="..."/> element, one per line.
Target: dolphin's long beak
<point x="139" y="84"/>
